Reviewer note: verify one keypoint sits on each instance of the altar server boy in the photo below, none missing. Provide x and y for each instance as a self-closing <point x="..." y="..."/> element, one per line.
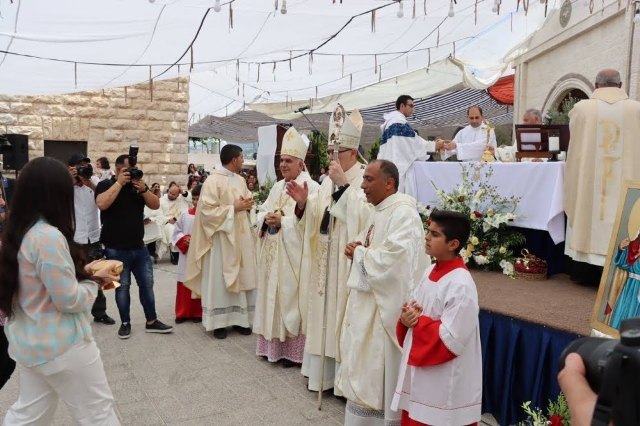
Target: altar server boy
<point x="187" y="307"/>
<point x="440" y="378"/>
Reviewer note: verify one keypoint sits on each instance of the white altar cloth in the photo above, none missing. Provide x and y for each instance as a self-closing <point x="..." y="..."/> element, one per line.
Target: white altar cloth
<point x="539" y="186"/>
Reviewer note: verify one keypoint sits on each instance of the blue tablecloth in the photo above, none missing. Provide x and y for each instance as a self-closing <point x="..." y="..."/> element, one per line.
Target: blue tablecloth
<point x="520" y="363"/>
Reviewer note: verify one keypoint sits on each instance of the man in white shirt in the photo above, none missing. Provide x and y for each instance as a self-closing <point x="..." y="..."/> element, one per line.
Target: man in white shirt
<point x="88" y="224"/>
<point x="470" y="142"/>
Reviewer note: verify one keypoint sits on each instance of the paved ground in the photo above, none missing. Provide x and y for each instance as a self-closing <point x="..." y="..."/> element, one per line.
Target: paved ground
<point x="190" y="378"/>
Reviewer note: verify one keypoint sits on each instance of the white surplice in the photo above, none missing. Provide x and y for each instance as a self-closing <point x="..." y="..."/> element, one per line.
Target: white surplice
<point x="471" y="143"/>
<point x="382" y="275"/>
<point x="447" y="394"/>
<point x="401" y="145"/>
<point x="351" y="213"/>
<point x="280" y="262"/>
<point x="172" y="209"/>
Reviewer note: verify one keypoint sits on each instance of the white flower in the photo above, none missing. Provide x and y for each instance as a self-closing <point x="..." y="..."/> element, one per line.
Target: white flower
<point x="490" y="212"/>
<point x="481" y="260"/>
<point x="475" y="241"/>
<point x="473" y="217"/>
<point x="507" y="267"/>
<point x="479" y="194"/>
<point x="502" y="250"/>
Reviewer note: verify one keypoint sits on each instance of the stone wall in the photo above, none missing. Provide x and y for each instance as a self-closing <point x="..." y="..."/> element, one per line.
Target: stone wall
<point x="110" y="120"/>
<point x="559" y="59"/>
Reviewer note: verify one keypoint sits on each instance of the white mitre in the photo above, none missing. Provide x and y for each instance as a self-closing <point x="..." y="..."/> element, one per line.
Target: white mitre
<point x="349" y="135"/>
<point x="293" y="144"/>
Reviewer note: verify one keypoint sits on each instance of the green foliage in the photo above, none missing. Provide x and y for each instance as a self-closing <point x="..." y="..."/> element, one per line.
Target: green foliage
<point x="373" y="151"/>
<point x="319" y="149"/>
<point x="562" y="115"/>
<point x="557" y="414"/>
<point x="261" y="195"/>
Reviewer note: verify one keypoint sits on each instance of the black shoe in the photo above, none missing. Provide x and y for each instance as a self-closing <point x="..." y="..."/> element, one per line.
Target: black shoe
<point x="181" y="320"/>
<point x="174" y="258"/>
<point x="158" y="327"/>
<point x="288" y="364"/>
<point x="125" y="331"/>
<point x="105" y="319"/>
<point x="220" y="333"/>
<point x="245" y="331"/>
<point x="196" y="320"/>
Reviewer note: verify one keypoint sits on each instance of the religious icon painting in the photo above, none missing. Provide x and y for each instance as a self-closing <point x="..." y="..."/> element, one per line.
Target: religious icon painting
<point x="619" y="292"/>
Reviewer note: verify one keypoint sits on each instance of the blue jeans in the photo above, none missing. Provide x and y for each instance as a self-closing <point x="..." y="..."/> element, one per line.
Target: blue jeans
<point x="137" y="261"/>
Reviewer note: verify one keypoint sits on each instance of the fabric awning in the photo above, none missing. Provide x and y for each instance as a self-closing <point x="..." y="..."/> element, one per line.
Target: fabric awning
<point x="503" y="90"/>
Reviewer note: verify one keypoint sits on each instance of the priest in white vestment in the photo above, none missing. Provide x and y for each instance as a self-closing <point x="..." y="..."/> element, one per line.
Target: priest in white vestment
<point x="603" y="153"/>
<point x="172" y="205"/>
<point x="328" y="283"/>
<point x="388" y="259"/>
<point x="471" y="142"/>
<point x="221" y="261"/>
<point x="401" y="145"/>
<point x="278" y="319"/>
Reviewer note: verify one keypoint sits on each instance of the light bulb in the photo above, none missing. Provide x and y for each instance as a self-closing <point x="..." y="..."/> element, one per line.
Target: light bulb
<point x="283" y="9"/>
<point x="217" y="7"/>
<point x="451" y="11"/>
<point x="400" y="10"/>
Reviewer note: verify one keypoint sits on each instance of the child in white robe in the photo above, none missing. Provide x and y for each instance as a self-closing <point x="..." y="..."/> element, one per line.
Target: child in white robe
<point x="440" y="378"/>
<point x="187" y="308"/>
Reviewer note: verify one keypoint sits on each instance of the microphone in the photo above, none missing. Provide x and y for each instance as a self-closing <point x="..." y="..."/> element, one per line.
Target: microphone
<point x="301" y="109"/>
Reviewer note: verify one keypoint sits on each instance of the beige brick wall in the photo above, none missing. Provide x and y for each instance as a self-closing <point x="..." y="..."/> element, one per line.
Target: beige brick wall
<point x="110" y="121"/>
<point x="588" y="44"/>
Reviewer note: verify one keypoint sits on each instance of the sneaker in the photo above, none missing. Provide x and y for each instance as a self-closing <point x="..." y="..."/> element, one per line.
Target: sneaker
<point x="105" y="319"/>
<point x="158" y="327"/>
<point x="125" y="331"/>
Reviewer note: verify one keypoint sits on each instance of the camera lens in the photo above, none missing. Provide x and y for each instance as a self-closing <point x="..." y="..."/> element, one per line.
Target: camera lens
<point x="595" y="353"/>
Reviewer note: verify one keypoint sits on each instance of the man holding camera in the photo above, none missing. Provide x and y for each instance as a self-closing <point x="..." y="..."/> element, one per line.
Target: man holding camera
<point x="121" y="200"/>
<point x="88" y="224"/>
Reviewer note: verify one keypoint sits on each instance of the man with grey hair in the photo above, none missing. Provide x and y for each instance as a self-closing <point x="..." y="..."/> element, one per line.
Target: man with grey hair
<point x="532" y="116"/>
<point x="603" y="153"/>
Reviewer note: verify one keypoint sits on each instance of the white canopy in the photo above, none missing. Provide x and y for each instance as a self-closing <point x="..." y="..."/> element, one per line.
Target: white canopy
<point x="249" y="54"/>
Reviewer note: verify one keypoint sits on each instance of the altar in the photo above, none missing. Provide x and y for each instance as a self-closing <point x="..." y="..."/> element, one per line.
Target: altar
<point x="539" y="185"/>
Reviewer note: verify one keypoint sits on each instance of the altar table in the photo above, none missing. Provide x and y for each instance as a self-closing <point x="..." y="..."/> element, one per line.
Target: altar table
<point x="539" y="186"/>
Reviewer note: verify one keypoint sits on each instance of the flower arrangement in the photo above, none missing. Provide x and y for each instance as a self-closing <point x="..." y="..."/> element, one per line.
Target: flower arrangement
<point x="557" y="414"/>
<point x="491" y="241"/>
<point x="261" y="195"/>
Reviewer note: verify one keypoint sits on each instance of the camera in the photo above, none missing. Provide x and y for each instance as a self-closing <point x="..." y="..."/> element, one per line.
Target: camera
<point x="613" y="372"/>
<point x="84" y="171"/>
<point x="134" y="172"/>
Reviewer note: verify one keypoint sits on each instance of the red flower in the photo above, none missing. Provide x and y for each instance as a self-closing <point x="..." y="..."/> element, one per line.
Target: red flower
<point x="485" y="245"/>
<point x="477" y="214"/>
<point x="556" y="420"/>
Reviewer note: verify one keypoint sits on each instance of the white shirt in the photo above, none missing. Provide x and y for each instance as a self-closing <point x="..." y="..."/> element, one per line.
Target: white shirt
<point x="87" y="215"/>
<point x="471" y="143"/>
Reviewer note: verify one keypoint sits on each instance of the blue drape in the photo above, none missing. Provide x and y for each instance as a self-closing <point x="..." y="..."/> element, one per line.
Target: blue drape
<point x="520" y="363"/>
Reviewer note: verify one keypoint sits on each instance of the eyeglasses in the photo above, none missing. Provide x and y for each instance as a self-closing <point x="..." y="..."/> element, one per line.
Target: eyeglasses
<point x="410" y="105"/>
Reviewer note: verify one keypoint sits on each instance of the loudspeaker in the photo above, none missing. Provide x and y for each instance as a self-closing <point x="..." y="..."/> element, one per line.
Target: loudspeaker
<point x="18" y="156"/>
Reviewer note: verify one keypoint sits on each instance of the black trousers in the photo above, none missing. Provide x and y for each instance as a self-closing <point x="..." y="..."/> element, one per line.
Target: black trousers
<point x="7" y="365"/>
<point x="94" y="252"/>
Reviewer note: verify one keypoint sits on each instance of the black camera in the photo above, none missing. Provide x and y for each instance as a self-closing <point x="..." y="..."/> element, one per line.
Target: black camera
<point x="84" y="171"/>
<point x="134" y="172"/>
<point x="613" y="372"/>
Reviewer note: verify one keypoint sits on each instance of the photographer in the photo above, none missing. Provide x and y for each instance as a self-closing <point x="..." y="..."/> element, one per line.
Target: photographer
<point x="122" y="200"/>
<point x="88" y="224"/>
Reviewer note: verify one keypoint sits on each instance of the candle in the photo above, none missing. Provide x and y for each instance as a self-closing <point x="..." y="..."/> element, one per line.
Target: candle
<point x="554" y="143"/>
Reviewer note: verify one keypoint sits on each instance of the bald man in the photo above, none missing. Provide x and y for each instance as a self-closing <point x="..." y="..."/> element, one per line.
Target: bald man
<point x="532" y="116"/>
<point x="603" y="153"/>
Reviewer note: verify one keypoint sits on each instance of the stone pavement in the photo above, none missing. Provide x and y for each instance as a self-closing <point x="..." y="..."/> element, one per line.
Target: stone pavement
<point x="190" y="378"/>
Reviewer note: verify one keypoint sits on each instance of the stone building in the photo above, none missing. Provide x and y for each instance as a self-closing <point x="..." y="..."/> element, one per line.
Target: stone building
<point x="564" y="56"/>
<point x="105" y="123"/>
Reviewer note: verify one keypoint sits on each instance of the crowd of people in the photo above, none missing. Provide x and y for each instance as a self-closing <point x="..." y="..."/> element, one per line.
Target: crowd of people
<point x="339" y="278"/>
